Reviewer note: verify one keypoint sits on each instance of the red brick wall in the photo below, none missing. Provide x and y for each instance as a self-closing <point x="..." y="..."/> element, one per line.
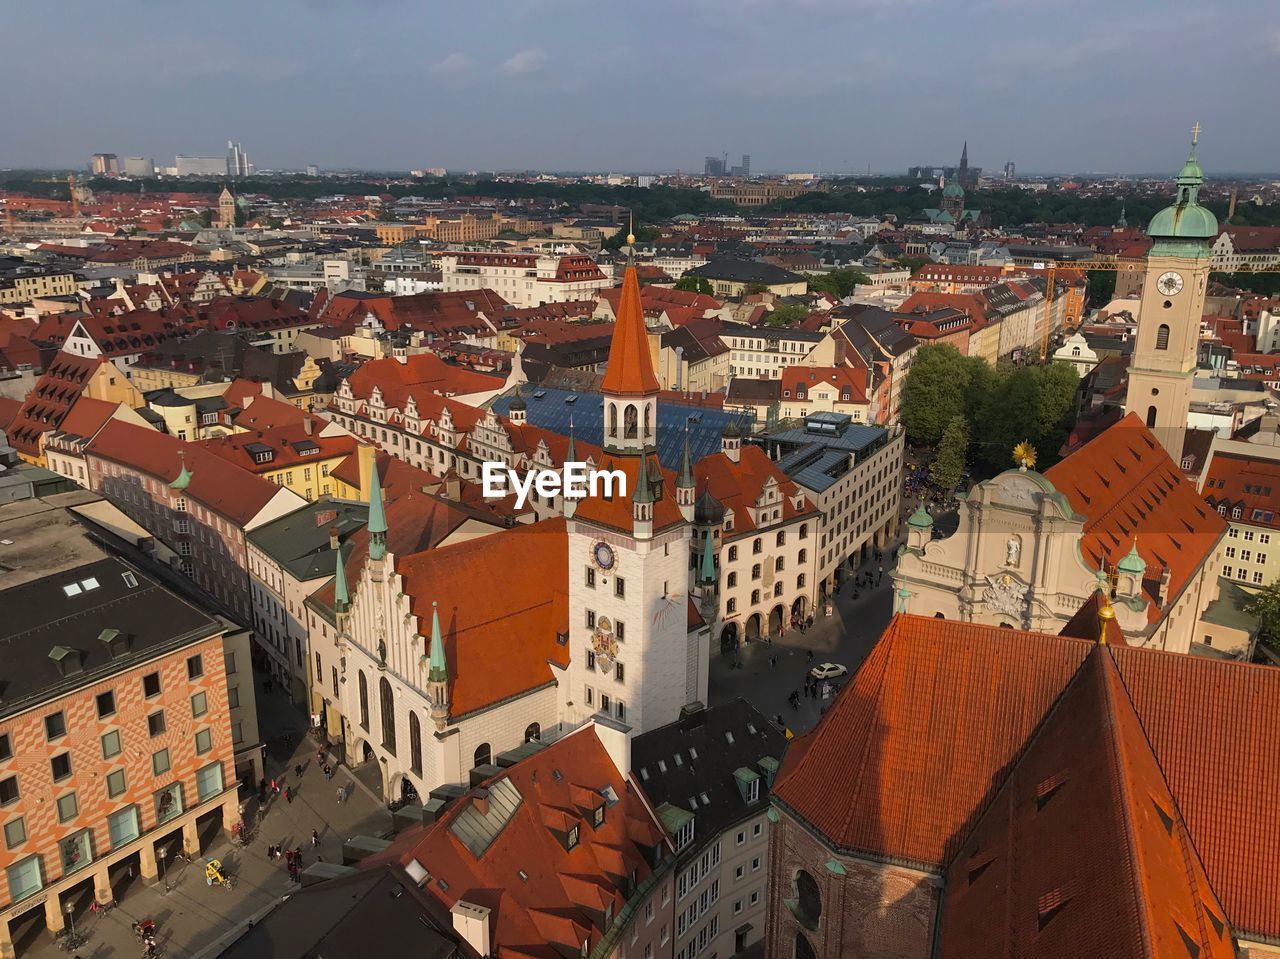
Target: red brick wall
<point x="873" y="911"/>
<point x="32" y="752"/>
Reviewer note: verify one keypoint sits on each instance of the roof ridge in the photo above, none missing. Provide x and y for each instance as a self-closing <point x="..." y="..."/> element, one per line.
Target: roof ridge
<point x="1121" y="783"/>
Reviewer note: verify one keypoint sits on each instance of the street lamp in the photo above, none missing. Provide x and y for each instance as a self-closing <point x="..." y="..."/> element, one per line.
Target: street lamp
<point x="70" y="909"/>
<point x="164" y="873"/>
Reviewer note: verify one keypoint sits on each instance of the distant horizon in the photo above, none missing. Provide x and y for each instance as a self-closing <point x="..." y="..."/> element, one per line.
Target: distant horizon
<point x="833" y="85"/>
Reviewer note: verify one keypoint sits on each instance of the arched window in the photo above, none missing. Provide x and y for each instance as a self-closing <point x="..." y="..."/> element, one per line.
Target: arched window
<point x="630" y="424"/>
<point x="804" y="531"/>
<point x="803" y="949"/>
<point x="733" y="580"/>
<point x="778" y="565"/>
<point x="483" y="755"/>
<point x="648" y="424"/>
<point x="388" y="710"/>
<point x="415" y="743"/>
<point x="782" y="537"/>
<point x="777" y="588"/>
<point x="808" y="900"/>
<point x="532" y="733"/>
<point x="364" y="703"/>
<point x="755" y="571"/>
<point x="1151" y="417"/>
<point x="804" y="555"/>
<point x="755" y="596"/>
<point x="800" y="581"/>
<point x="756" y="545"/>
<point x="1075" y="351"/>
<point x="613" y="419"/>
<point x="1162" y="336"/>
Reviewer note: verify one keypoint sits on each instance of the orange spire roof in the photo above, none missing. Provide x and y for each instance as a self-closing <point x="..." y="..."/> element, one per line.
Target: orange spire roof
<point x="630" y="368"/>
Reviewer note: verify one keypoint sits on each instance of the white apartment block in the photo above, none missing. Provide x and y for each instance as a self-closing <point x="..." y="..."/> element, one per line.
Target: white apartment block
<point x="523" y="279"/>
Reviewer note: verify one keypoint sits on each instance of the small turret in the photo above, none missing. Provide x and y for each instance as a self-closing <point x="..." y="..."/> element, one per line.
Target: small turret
<point x="685" y="484"/>
<point x="341" y="596"/>
<point x="731" y="441"/>
<point x="518" y="411"/>
<point x="377" y="517"/>
<point x="919" y="529"/>
<point x="642" y="501"/>
<point x="1129" y="574"/>
<point x="437" y="673"/>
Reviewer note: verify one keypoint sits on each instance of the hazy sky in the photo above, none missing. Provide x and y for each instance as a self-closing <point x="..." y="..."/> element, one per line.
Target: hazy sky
<point x="1056" y="85"/>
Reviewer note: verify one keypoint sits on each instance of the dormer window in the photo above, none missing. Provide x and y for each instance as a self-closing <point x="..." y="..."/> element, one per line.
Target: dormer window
<point x="597" y="816"/>
<point x="572" y="839"/>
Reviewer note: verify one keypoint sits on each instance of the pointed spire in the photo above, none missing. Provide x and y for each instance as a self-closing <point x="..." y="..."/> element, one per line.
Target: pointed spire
<point x="377" y="516"/>
<point x="685" y="479"/>
<point x="707" y="572"/>
<point x="341" y="595"/>
<point x="183" y="479"/>
<point x="629" y="371"/>
<point x="644" y="491"/>
<point x="439" y="667"/>
<point x="571" y="456"/>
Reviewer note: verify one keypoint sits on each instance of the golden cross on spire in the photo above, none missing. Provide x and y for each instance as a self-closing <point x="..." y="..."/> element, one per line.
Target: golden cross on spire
<point x="1195" y="133"/>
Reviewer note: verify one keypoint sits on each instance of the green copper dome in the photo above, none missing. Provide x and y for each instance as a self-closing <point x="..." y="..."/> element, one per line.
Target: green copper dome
<point x="920" y="519"/>
<point x="1133" y="563"/>
<point x="1186" y="219"/>
<point x="953" y="189"/>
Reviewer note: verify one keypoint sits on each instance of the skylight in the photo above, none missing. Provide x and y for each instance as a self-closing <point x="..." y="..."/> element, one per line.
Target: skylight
<point x="72" y="589"/>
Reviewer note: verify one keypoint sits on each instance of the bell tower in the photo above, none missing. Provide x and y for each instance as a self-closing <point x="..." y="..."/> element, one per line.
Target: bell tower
<point x="1173" y="292"/>
<point x="630" y="387"/>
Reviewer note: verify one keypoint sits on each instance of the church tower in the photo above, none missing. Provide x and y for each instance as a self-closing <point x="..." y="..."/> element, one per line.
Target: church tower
<point x="1173" y="292"/>
<point x="226" y="209"/>
<point x="631" y="655"/>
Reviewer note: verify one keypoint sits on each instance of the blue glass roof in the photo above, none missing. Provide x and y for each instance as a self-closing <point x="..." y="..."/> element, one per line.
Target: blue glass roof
<point x="550" y="410"/>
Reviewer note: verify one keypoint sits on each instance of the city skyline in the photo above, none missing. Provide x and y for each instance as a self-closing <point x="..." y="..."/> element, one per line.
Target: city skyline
<point x="800" y="85"/>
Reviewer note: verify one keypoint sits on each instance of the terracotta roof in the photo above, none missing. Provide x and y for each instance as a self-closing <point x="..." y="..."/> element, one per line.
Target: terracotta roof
<point x="616" y="511"/>
<point x="1083" y="852"/>
<point x="1127" y="487"/>
<point x="291" y="445"/>
<point x="9" y="410"/>
<point x="52" y="397"/>
<point x="798" y="379"/>
<point x="1249" y="484"/>
<point x="1088" y="624"/>
<point x="922" y="738"/>
<point x="546" y="899"/>
<point x="260" y="412"/>
<point x="630" y="368"/>
<point x="738" y="486"/>
<point x="219" y="485"/>
<point x="419" y="375"/>
<point x="87" y="416"/>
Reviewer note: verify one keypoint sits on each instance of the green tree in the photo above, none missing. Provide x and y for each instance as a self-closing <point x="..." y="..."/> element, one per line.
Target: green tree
<point x="644" y="234"/>
<point x="1101" y="286"/>
<point x="754" y="288"/>
<point x="935" y="392"/>
<point x="694" y="284"/>
<point x="788" y="314"/>
<point x="839" y="283"/>
<point x="948" y="465"/>
<point x="1266" y="606"/>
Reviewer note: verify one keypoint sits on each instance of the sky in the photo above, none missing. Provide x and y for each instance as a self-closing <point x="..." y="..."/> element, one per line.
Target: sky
<point x="648" y="85"/>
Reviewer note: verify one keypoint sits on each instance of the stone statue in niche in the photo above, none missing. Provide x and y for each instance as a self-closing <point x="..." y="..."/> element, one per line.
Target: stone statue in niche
<point x="1013" y="551"/>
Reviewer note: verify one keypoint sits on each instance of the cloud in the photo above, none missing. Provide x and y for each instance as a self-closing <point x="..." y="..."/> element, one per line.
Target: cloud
<point x="456" y="62"/>
<point x="524" y="62"/>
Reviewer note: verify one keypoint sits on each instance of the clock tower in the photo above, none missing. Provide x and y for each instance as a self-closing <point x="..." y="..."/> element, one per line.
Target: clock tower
<point x="1177" y="272"/>
<point x="631" y="655"/>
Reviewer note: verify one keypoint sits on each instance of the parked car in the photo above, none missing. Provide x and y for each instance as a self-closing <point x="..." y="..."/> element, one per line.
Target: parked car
<point x="828" y="671"/>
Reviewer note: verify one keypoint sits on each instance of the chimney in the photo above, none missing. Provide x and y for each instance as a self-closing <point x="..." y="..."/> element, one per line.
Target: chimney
<point x="471" y="922"/>
<point x="1164" y="586"/>
<point x="333" y="537"/>
<point x="307" y="425"/>
<point x="453" y="488"/>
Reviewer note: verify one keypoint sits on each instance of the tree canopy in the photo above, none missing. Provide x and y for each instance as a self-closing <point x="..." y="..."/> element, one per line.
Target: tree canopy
<point x="839" y="283"/>
<point x="1266" y="606"/>
<point x="694" y="284"/>
<point x="788" y="314"/>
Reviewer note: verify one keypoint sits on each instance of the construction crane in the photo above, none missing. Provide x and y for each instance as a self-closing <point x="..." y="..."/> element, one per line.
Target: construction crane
<point x="1113" y="266"/>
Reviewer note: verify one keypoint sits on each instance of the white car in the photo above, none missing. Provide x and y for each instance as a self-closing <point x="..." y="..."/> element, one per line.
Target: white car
<point x="828" y="671"/>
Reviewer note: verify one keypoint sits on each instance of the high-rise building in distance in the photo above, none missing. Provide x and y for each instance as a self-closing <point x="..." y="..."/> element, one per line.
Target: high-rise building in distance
<point x="104" y="164"/>
<point x="200" y="166"/>
<point x="237" y="160"/>
<point x="1009" y="170"/>
<point x="713" y="166"/>
<point x="139" y="166"/>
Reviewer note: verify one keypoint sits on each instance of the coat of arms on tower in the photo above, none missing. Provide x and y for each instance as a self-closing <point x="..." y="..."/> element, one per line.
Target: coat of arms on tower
<point x="604" y="644"/>
<point x="1004" y="594"/>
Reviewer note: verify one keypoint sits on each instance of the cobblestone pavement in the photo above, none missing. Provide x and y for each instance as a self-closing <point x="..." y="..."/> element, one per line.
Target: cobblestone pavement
<point x="195" y="919"/>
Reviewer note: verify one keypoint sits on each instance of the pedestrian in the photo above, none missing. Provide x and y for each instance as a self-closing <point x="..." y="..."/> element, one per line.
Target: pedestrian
<point x="288" y="795"/>
<point x="328" y="772"/>
<point x="315" y="838"/>
<point x="340" y="795"/>
<point x="297" y="858"/>
<point x="275" y="787"/>
<point x="320" y="755"/>
<point x="297" y="771"/>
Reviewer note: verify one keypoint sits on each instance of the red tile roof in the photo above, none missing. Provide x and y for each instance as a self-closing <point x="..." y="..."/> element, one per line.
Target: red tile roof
<point x="419" y="375"/>
<point x="546" y="900"/>
<point x="260" y="412"/>
<point x="517" y="625"/>
<point x="919" y="742"/>
<point x="1083" y="851"/>
<point x="1249" y="484"/>
<point x="617" y="511"/>
<point x="219" y="485"/>
<point x="1128" y="488"/>
<point x="738" y="486"/>
<point x="800" y="379"/>
<point x="50" y="399"/>
<point x="291" y="445"/>
<point x="630" y="368"/>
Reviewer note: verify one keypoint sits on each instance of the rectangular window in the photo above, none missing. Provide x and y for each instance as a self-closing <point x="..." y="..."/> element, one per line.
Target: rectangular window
<point x="106" y="704"/>
<point x="115" y="783"/>
<point x="209" y="781"/>
<point x="621" y="709"/>
<point x="237" y="732"/>
<point x="123" y="827"/>
<point x="589" y="698"/>
<point x="151" y="685"/>
<point x="229" y="661"/>
<point x="604" y="702"/>
<point x="55" y="725"/>
<point x="110" y="744"/>
<point x="169" y="803"/>
<point x="619" y="587"/>
<point x="160" y="762"/>
<point x="68" y="807"/>
<point x="24" y="878"/>
<point x="591" y="577"/>
<point x="155" y="723"/>
<point x="8" y="790"/>
<point x="204" y="741"/>
<point x="195" y="667"/>
<point x="6" y="750"/>
<point x="15" y="832"/>
<point x="200" y="704"/>
<point x="619" y="673"/>
<point x="61" y="766"/>
<point x="619" y="630"/>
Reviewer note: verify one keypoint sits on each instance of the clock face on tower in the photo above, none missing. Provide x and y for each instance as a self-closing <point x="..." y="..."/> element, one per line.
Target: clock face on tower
<point x="1169" y="283"/>
<point x="602" y="556"/>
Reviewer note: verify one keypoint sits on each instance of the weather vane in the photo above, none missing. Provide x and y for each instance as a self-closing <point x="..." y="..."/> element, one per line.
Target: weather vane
<point x="1195" y="132"/>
